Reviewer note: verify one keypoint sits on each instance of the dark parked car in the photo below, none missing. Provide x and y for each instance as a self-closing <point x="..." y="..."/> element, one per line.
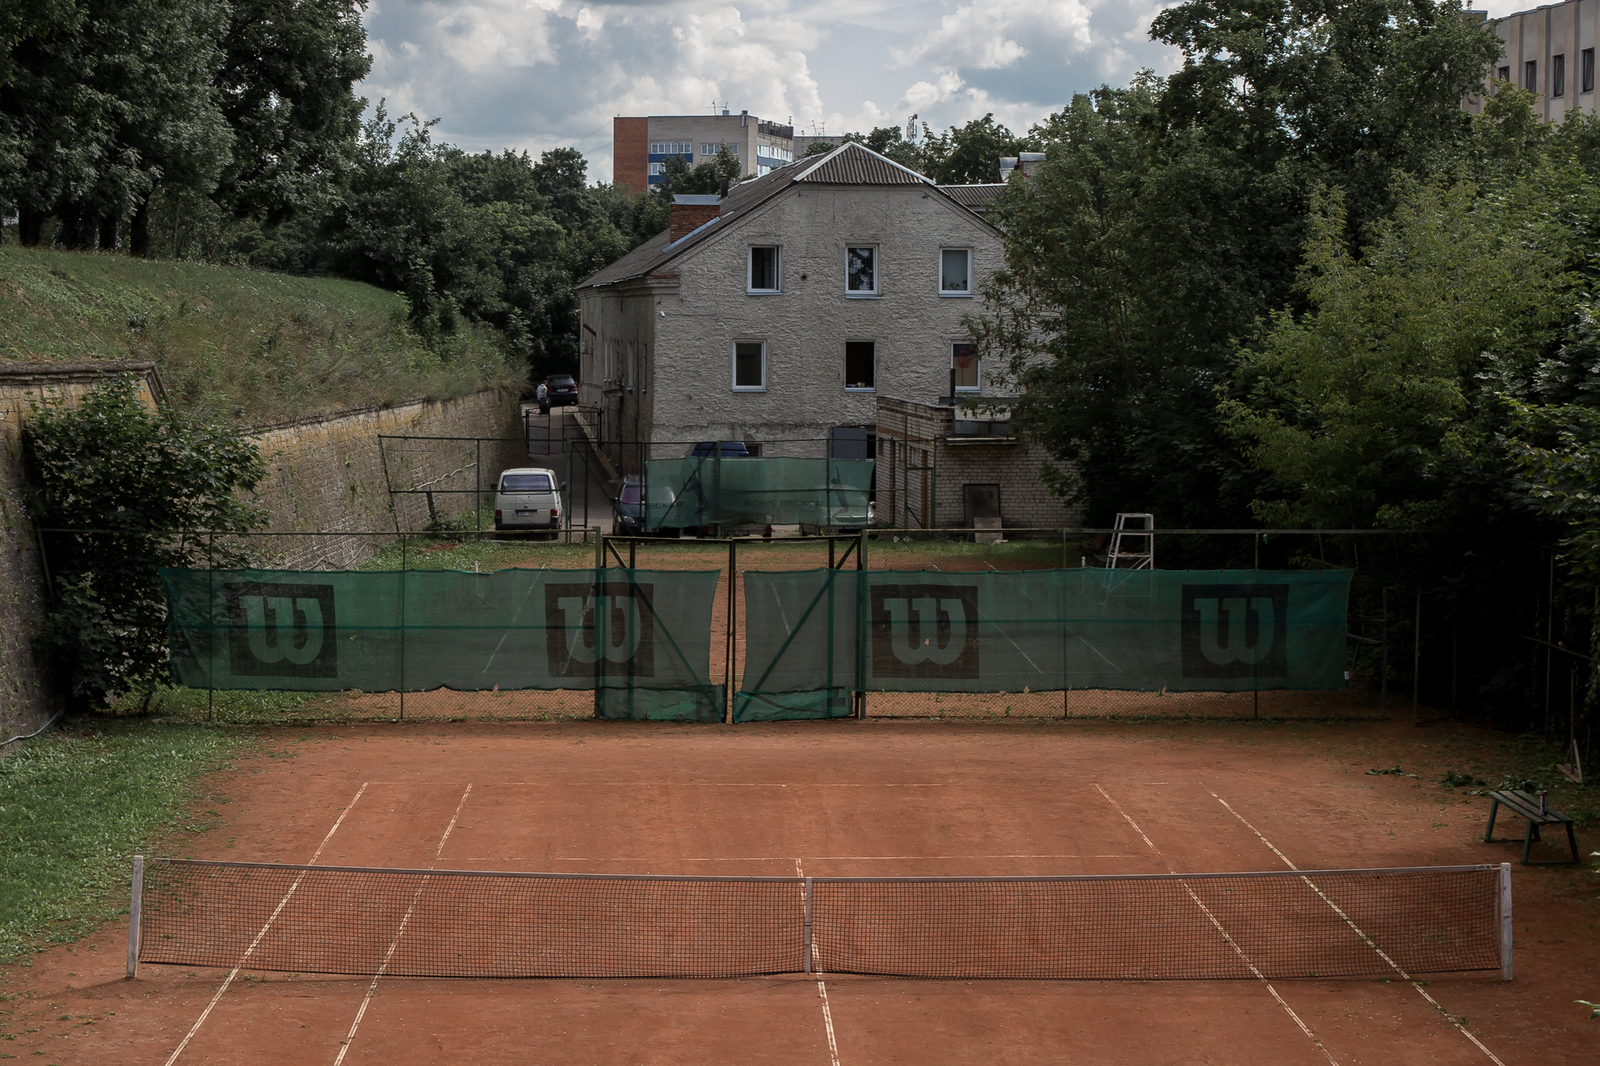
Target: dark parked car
<point x="727" y="449"/>
<point x="563" y="391"/>
<point x="628" y="520"/>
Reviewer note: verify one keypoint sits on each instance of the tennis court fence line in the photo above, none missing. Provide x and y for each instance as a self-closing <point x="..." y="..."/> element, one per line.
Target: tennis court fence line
<point x="1392" y="922"/>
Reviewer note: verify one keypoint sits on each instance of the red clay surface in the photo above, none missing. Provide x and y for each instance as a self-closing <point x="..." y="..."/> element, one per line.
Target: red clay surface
<point x="842" y="798"/>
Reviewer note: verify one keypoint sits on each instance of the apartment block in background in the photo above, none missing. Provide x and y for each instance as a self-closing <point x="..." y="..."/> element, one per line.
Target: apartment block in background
<point x="640" y="147"/>
<point x="1548" y="51"/>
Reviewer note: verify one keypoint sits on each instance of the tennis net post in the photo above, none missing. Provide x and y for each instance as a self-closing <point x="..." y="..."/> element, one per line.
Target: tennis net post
<point x="135" y="907"/>
<point x="1505" y="921"/>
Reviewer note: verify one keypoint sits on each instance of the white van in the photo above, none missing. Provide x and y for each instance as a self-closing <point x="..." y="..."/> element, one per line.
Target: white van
<point x="528" y="498"/>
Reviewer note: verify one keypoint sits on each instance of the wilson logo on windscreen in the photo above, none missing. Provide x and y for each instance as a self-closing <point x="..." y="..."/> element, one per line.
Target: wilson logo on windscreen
<point x="1231" y="631"/>
<point x="615" y="628"/>
<point x="280" y="630"/>
<point x="924" y="630"/>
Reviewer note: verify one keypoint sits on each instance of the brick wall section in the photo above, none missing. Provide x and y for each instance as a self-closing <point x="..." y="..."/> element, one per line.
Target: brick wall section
<point x="327" y="475"/>
<point x="921" y="474"/>
<point x="26" y="702"/>
<point x="630" y="153"/>
<point x="324" y="475"/>
<point x="686" y="218"/>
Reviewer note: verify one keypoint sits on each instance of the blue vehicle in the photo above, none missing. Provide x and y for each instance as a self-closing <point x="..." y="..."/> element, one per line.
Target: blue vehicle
<point x="726" y="449"/>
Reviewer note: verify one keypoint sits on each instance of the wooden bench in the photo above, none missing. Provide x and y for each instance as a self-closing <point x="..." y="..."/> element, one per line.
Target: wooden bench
<point x="1526" y="805"/>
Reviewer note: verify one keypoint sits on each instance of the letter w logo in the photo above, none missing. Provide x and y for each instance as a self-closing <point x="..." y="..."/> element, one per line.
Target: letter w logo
<point x="1235" y="631"/>
<point x="277" y="629"/>
<point x="611" y="624"/>
<point x="924" y="630"/>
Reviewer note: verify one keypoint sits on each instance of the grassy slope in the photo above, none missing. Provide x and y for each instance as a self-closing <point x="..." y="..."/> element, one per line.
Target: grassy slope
<point x="240" y="344"/>
<point x="76" y="805"/>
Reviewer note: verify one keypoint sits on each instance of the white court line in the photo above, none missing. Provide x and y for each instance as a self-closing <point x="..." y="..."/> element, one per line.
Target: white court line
<point x="779" y="858"/>
<point x="276" y="911"/>
<point x="394" y="944"/>
<point x="822" y="988"/>
<point x="1365" y="939"/>
<point x="1224" y="933"/>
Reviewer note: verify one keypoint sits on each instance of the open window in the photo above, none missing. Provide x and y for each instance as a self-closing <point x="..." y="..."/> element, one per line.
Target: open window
<point x="861" y="270"/>
<point x="964" y="367"/>
<point x="860" y="365"/>
<point x="763" y="274"/>
<point x="955" y="272"/>
<point x="750" y="366"/>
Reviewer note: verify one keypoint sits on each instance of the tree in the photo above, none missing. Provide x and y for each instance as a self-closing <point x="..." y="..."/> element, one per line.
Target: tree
<point x="1168" y="221"/>
<point x="971" y="154"/>
<point x="702" y="179"/>
<point x="133" y="476"/>
<point x="285" y="81"/>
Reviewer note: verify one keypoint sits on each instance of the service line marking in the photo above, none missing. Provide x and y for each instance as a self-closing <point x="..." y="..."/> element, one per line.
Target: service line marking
<point x="1453" y="1020"/>
<point x="273" y="918"/>
<point x="822" y="988"/>
<point x="394" y="943"/>
<point x="1304" y="1028"/>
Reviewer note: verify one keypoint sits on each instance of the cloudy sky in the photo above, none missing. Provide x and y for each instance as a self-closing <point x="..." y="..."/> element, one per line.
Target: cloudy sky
<point x="537" y="74"/>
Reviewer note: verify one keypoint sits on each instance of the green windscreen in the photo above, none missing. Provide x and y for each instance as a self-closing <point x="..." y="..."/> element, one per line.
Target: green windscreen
<point x="814" y="636"/>
<point x="642" y="636"/>
<point x="728" y="491"/>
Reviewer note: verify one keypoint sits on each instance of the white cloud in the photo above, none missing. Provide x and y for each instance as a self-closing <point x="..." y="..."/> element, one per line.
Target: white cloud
<point x="537" y="74"/>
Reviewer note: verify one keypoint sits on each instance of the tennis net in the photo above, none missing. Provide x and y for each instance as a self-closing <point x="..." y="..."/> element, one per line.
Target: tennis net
<point x="457" y="923"/>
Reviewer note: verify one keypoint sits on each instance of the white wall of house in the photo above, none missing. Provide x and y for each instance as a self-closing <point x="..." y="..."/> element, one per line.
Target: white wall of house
<point x="806" y="325"/>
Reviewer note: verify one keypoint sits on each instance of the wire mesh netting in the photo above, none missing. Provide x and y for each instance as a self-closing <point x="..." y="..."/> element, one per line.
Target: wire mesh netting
<point x="467" y="594"/>
<point x="433" y="923"/>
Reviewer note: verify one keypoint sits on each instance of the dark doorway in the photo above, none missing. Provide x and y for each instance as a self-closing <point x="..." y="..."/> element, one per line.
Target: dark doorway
<point x="981" y="501"/>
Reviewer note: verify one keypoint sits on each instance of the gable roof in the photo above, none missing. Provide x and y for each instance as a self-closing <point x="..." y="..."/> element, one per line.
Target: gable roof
<point x="850" y="163"/>
<point x="977" y="197"/>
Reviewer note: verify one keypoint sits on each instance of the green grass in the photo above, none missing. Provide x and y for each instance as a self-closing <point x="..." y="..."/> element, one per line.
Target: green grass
<point x="76" y="805"/>
<point x="249" y="346"/>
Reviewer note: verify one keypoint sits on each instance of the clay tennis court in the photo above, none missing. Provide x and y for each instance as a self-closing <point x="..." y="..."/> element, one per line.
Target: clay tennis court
<point x="842" y="798"/>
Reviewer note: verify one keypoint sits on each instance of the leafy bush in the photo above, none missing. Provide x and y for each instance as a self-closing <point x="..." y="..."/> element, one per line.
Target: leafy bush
<point x="129" y="482"/>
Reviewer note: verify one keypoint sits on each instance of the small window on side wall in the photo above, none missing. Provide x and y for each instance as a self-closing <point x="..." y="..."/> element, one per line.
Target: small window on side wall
<point x="1504" y="74"/>
<point x="861" y="270"/>
<point x="1586" y="70"/>
<point x="955" y="272"/>
<point x="1530" y="75"/>
<point x="749" y="366"/>
<point x="1558" y="75"/>
<point x="964" y="364"/>
<point x="860" y="365"/>
<point x="763" y="273"/>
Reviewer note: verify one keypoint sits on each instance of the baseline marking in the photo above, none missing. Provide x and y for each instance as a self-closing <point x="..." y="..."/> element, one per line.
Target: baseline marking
<point x="394" y="943"/>
<point x="1364" y="938"/>
<point x="822" y="989"/>
<point x="1223" y="932"/>
<point x="273" y="918"/>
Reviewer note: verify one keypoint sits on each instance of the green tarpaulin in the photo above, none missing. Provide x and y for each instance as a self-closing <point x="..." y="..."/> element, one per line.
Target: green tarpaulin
<point x="420" y="630"/>
<point x="740" y="491"/>
<point x="813" y="637"/>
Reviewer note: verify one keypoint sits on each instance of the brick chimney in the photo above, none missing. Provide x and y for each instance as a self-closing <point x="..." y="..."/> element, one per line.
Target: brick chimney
<point x="691" y="211"/>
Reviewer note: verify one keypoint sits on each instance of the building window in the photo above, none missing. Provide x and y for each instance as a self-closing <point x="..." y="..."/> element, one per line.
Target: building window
<point x="1558" y="75"/>
<point x="1530" y="75"/>
<point x="749" y="366"/>
<point x="964" y="367"/>
<point x="712" y="149"/>
<point x="1504" y="73"/>
<point x="671" y="148"/>
<point x="861" y="270"/>
<point x="860" y="365"/>
<point x="1586" y="69"/>
<point x="763" y="269"/>
<point x="657" y="169"/>
<point x="955" y="272"/>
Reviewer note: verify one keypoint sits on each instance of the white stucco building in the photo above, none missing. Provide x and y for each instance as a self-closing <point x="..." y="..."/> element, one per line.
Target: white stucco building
<point x="800" y="308"/>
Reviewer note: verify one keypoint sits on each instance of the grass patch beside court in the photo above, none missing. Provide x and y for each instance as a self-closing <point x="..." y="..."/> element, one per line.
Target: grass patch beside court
<point x="77" y="804"/>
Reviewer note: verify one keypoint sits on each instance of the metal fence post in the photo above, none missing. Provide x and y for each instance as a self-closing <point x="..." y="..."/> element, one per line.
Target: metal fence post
<point x="135" y="911"/>
<point x="1416" y="659"/>
<point x="402" y="627"/>
<point x="808" y="926"/>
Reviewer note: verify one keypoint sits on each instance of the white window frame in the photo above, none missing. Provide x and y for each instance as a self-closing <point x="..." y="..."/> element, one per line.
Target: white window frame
<point x="657" y="169"/>
<point x="970" y="389"/>
<point x="855" y="388"/>
<point x="877" y="274"/>
<point x="749" y="270"/>
<point x="962" y="293"/>
<point x="734" y="377"/>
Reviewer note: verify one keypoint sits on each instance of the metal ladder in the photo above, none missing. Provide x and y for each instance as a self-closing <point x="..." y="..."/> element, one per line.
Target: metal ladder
<point x="1133" y="535"/>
